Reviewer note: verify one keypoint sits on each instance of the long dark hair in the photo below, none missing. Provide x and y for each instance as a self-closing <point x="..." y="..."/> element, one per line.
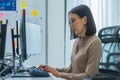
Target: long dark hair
<point x="81" y="11"/>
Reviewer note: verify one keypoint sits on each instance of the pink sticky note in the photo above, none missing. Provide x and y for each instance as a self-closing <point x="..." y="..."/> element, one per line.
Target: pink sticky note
<point x="1" y="15"/>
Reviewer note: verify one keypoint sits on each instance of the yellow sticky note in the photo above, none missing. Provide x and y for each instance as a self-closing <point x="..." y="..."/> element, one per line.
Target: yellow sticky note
<point x="3" y="22"/>
<point x="35" y="13"/>
<point x="23" y="5"/>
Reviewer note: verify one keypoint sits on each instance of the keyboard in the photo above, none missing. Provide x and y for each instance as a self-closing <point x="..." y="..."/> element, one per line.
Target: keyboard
<point x="33" y="71"/>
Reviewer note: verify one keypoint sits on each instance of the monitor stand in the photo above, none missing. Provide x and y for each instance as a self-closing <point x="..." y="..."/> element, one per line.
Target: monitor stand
<point x="19" y="69"/>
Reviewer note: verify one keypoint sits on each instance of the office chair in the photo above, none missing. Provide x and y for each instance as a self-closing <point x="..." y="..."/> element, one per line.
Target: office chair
<point x="110" y="37"/>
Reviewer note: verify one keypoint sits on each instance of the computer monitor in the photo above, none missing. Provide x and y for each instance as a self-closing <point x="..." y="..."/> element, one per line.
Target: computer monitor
<point x="22" y="30"/>
<point x="3" y="28"/>
<point x="19" y="36"/>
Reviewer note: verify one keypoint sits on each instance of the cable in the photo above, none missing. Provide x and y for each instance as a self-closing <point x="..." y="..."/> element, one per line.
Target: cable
<point x="2" y="72"/>
<point x="1" y="77"/>
<point x="5" y="69"/>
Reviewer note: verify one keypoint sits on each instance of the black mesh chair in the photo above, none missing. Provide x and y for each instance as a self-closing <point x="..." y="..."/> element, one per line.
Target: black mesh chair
<point x="110" y="37"/>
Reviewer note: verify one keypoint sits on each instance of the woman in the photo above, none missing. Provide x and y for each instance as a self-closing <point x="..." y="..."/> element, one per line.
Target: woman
<point x="87" y="47"/>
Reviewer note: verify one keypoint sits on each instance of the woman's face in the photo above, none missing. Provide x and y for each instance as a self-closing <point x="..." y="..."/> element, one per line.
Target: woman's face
<point x="77" y="24"/>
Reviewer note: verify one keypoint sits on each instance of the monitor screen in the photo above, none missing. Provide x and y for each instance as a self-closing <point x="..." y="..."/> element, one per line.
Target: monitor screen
<point x="22" y="30"/>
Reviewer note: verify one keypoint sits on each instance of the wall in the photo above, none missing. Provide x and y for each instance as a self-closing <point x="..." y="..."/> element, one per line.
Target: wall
<point x="35" y="29"/>
<point x="56" y="26"/>
<point x="53" y="51"/>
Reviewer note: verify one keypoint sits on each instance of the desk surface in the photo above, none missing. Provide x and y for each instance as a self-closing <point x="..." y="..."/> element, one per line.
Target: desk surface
<point x="30" y="78"/>
<point x="8" y="77"/>
<point x="26" y="76"/>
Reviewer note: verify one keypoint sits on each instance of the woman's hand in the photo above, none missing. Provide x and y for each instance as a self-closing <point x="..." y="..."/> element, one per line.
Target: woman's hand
<point x="50" y="69"/>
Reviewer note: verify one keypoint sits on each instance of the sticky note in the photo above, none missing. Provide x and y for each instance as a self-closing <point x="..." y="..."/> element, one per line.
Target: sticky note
<point x="3" y="22"/>
<point x="1" y="15"/>
<point x="23" y="5"/>
<point x="35" y="13"/>
<point x="15" y="43"/>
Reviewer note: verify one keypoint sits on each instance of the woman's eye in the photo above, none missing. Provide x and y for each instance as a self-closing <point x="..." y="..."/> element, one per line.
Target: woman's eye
<point x="71" y="21"/>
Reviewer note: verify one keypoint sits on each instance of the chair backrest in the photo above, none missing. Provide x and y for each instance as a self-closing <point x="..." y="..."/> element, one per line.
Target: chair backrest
<point x="3" y="29"/>
<point x="110" y="37"/>
<point x="110" y="34"/>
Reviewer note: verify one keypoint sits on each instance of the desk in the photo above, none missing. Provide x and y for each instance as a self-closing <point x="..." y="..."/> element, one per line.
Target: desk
<point x="8" y="77"/>
<point x="30" y="78"/>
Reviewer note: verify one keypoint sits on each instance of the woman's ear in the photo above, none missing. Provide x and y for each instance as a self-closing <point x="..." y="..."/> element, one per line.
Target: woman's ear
<point x="85" y="19"/>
